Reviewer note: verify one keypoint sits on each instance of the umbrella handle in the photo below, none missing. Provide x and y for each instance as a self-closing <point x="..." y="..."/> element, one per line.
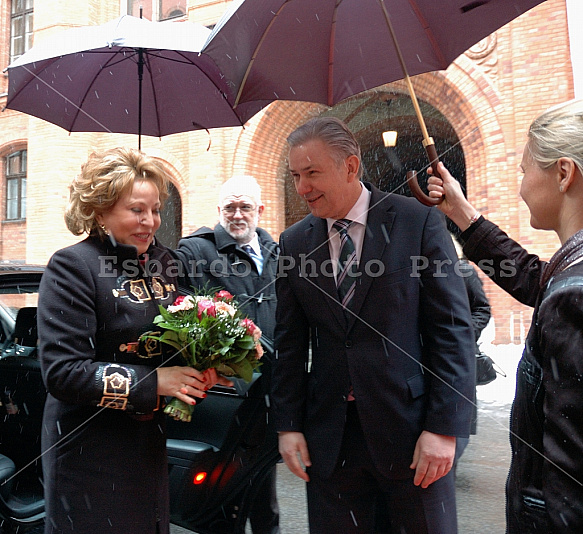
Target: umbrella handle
<point x="414" y="184"/>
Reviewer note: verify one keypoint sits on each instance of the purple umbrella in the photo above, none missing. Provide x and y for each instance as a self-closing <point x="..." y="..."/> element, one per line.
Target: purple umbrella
<point x="328" y="50"/>
<point x="127" y="76"/>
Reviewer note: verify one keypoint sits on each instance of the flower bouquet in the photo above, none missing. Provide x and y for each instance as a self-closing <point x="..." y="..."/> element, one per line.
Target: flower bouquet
<point x="209" y="331"/>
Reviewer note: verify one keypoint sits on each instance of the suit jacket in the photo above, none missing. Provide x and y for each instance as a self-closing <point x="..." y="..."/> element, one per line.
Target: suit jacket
<point x="407" y="348"/>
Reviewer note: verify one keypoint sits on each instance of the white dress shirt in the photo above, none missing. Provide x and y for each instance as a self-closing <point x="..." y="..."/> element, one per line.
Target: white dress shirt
<point x="359" y="215"/>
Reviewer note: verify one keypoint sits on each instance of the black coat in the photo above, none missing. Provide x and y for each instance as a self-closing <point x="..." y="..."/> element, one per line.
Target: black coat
<point x="213" y="259"/>
<point x="479" y="305"/>
<point x="103" y="441"/>
<point x="408" y="350"/>
<point x="544" y="492"/>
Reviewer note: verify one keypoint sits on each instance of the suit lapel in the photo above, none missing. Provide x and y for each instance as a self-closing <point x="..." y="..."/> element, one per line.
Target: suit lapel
<point x="319" y="257"/>
<point x="377" y="237"/>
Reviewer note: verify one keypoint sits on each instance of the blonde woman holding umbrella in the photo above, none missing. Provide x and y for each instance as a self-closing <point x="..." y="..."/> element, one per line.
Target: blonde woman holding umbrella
<point x="546" y="473"/>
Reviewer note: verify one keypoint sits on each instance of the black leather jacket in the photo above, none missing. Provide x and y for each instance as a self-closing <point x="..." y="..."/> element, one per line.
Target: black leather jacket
<point x="544" y="492"/>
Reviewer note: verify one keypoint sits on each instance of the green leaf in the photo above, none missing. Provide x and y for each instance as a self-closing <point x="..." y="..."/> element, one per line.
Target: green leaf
<point x="165" y="314"/>
<point x="246" y="343"/>
<point x="237" y="356"/>
<point x="244" y="370"/>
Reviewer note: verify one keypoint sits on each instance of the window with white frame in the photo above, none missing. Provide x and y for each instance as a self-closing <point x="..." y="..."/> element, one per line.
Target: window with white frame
<point x="20" y="27"/>
<point x="157" y="9"/>
<point x="16" y="186"/>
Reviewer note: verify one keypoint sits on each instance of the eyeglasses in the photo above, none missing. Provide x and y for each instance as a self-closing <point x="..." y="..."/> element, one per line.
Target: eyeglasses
<point x="231" y="210"/>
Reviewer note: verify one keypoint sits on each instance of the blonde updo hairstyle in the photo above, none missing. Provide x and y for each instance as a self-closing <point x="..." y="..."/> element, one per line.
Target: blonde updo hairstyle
<point x="104" y="178"/>
<point x="558" y="133"/>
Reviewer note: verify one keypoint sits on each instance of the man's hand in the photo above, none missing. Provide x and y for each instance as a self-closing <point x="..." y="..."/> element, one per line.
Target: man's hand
<point x="293" y="448"/>
<point x="432" y="458"/>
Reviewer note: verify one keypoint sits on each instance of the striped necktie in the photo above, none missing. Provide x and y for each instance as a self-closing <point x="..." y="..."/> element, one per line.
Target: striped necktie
<point x="347" y="263"/>
<point x="256" y="259"/>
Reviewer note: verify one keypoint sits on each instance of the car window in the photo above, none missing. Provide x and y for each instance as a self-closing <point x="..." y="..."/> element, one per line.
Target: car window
<point x="16" y="292"/>
<point x="12" y="302"/>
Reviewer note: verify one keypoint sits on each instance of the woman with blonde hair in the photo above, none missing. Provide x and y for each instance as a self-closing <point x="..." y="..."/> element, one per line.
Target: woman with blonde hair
<point x="544" y="487"/>
<point x="103" y="440"/>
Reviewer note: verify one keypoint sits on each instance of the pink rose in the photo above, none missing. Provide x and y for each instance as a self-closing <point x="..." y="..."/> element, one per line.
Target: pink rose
<point x="223" y="295"/>
<point x="208" y="307"/>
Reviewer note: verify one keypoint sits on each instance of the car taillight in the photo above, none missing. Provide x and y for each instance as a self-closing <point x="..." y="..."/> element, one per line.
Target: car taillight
<point x="200" y="477"/>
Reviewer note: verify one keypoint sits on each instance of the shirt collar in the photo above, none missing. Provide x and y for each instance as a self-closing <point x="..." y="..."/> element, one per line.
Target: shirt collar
<point x="254" y="244"/>
<point x="359" y="212"/>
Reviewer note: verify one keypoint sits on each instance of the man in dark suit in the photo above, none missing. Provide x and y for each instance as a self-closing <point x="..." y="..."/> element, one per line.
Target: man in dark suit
<point x="375" y="302"/>
<point x="240" y="257"/>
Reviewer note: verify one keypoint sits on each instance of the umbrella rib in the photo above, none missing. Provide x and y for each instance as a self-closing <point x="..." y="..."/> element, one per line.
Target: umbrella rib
<point x="430" y="36"/>
<point x="331" y="55"/>
<point x="35" y="77"/>
<point x="255" y="52"/>
<point x="108" y="63"/>
<point x="39" y="79"/>
<point x="185" y="61"/>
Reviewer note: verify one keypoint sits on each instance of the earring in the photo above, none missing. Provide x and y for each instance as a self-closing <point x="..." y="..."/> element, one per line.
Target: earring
<point x="103" y="229"/>
<point x="560" y="189"/>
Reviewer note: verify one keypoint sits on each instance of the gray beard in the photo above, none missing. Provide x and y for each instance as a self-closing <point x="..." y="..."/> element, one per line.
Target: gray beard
<point x="241" y="238"/>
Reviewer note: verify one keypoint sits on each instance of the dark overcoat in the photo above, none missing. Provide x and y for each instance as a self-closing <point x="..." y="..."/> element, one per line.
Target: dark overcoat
<point x="406" y="348"/>
<point x="214" y="259"/>
<point x="103" y="440"/>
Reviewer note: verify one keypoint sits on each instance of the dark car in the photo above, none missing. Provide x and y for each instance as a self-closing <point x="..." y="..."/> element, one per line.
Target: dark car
<point x="216" y="462"/>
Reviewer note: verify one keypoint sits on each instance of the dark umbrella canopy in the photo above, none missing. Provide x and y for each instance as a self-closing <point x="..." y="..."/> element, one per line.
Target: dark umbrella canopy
<point x="87" y="80"/>
<point x="328" y="50"/>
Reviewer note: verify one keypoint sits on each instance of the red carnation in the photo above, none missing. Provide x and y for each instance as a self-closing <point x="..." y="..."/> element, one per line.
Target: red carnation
<point x="207" y="306"/>
<point x="251" y="328"/>
<point x="223" y="295"/>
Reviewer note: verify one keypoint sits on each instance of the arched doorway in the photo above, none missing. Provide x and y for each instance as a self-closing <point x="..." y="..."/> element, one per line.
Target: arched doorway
<point x="171" y="228"/>
<point x="368" y="115"/>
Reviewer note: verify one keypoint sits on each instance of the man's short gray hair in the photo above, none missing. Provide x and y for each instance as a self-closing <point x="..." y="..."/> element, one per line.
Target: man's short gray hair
<point x="331" y="131"/>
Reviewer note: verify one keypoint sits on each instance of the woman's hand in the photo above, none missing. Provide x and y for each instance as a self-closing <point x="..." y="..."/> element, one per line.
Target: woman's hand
<point x="186" y="383"/>
<point x="455" y="205"/>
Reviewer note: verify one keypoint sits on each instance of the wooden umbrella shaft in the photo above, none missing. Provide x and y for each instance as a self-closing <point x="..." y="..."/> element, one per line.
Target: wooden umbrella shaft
<point x="428" y="142"/>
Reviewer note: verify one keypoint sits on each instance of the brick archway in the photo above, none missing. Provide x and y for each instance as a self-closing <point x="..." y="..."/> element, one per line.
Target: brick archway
<point x="463" y="94"/>
<point x="469" y="100"/>
<point x="263" y="143"/>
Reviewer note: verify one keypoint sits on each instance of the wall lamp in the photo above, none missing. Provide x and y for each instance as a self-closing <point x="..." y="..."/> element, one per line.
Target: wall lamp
<point x="390" y="138"/>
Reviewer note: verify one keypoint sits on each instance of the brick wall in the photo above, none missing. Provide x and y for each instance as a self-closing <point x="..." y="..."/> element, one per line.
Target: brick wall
<point x="489" y="96"/>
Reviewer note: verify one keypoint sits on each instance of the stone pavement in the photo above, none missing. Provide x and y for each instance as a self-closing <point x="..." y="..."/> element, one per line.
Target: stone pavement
<point x="481" y="475"/>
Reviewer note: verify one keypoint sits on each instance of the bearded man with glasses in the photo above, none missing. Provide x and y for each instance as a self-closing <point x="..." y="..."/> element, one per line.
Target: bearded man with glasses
<point x="242" y="258"/>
